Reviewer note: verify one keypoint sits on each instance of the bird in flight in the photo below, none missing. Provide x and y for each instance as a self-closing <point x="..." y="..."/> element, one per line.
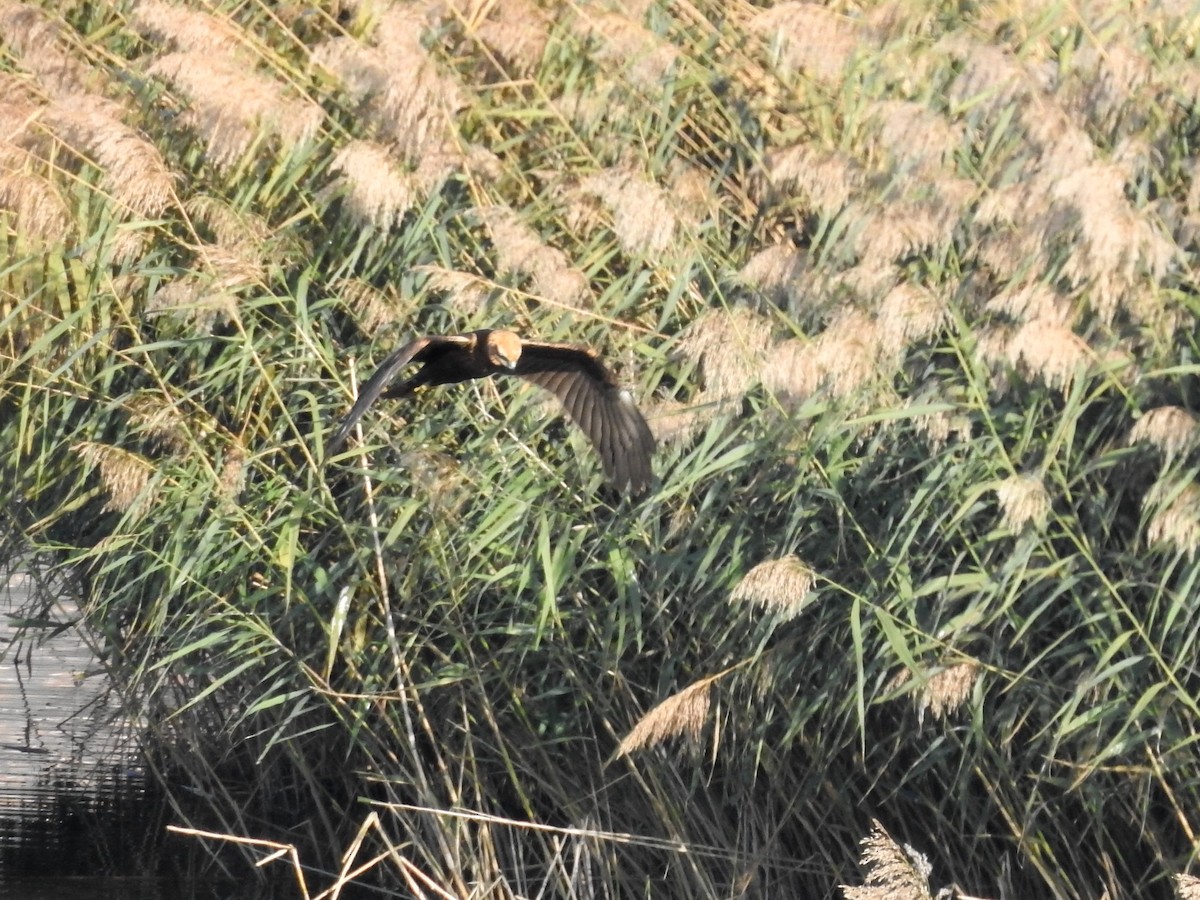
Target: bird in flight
<point x="574" y="374"/>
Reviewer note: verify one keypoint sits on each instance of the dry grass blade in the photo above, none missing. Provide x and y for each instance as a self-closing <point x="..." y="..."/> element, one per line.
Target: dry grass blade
<point x="893" y="872"/>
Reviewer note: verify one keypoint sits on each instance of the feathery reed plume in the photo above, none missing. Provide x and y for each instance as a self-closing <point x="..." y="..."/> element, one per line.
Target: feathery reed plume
<point x="674" y="421"/>
<point x="683" y="714"/>
<point x="188" y="29"/>
<point x="990" y="77"/>
<point x="1051" y="352"/>
<point x="397" y="82"/>
<point x="372" y="308"/>
<point x="1171" y="429"/>
<point x="847" y="356"/>
<point x="160" y="420"/>
<point x="900" y="229"/>
<point x="947" y="690"/>
<point x="377" y="192"/>
<point x="46" y="49"/>
<point x="135" y="173"/>
<point x="825" y="180"/>
<point x="642" y="214"/>
<point x="728" y="346"/>
<point x="1177" y="516"/>
<point x="1023" y="499"/>
<point x="1110" y="79"/>
<point x="520" y="250"/>
<point x="870" y="281"/>
<point x="779" y="271"/>
<point x="940" y="425"/>
<point x="893" y="872"/>
<point x="232" y="477"/>
<point x="639" y="52"/>
<point x="39" y="211"/>
<point x="1027" y="302"/>
<point x="124" y="475"/>
<point x="1116" y="243"/>
<point x="1187" y="887"/>
<point x="463" y="290"/>
<point x="818" y="41"/>
<point x="915" y="135"/>
<point x="909" y="314"/>
<point x="231" y="104"/>
<point x="777" y="585"/>
<point x="517" y="31"/>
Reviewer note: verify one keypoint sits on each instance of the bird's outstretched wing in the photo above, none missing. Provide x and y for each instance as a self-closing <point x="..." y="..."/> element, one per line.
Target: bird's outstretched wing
<point x="416" y="350"/>
<point x="597" y="404"/>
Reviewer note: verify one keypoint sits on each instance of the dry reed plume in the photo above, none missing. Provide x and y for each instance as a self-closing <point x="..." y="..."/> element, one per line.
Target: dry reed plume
<point x="1187" y="887"/>
<point x="629" y="45"/>
<point x="642" y="215"/>
<point x="376" y="190"/>
<point x="947" y="690"/>
<point x="1176" y="516"/>
<point x="231" y="104"/>
<point x="812" y="39"/>
<point x="519" y="250"/>
<point x="125" y="476"/>
<point x="1023" y="500"/>
<point x="682" y="714"/>
<point x="777" y="585"/>
<point x="893" y="872"/>
<point x="1172" y="430"/>
<point x="517" y="31"/>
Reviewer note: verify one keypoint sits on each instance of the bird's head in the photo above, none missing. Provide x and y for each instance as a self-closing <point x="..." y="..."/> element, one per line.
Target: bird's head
<point x="504" y="349"/>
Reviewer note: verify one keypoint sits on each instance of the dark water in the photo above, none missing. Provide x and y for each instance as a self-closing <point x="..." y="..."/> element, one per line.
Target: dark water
<point x="74" y="807"/>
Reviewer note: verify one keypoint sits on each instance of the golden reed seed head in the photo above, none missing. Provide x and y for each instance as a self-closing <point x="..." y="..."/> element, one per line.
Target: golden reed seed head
<point x="136" y="174"/>
<point x="642" y="215"/>
<point x="1170" y="429"/>
<point x="1023" y="500"/>
<point x="824" y="179"/>
<point x="376" y="190"/>
<point x="231" y="103"/>
<point x="819" y="42"/>
<point x="682" y="714"/>
<point x="187" y="29"/>
<point x="124" y="475"/>
<point x="892" y="872"/>
<point x="1176" y="519"/>
<point x="636" y="51"/>
<point x="1187" y="887"/>
<point x="520" y="250"/>
<point x="38" y="208"/>
<point x="1050" y="352"/>
<point x="778" y="585"/>
<point x="947" y="690"/>
<point x="729" y="346"/>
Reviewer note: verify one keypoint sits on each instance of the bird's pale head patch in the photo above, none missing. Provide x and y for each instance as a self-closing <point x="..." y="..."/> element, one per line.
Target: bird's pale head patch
<point x="504" y="349"/>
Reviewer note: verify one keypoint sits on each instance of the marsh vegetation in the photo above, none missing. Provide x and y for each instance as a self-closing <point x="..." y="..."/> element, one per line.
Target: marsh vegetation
<point x="907" y="293"/>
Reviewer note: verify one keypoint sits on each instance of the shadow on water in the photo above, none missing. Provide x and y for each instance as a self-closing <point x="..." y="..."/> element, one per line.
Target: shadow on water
<point x="78" y="816"/>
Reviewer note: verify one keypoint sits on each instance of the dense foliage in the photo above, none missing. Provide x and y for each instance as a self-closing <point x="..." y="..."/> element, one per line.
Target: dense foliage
<point x="907" y="292"/>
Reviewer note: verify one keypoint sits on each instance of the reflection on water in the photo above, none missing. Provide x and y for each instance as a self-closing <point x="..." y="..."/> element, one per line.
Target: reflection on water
<point x="72" y="791"/>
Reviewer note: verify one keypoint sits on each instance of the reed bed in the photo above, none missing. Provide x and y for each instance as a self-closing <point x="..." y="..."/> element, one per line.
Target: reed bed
<point x="907" y="293"/>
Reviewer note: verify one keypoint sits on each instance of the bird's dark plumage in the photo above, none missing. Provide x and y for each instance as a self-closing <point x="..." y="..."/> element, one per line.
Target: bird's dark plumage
<point x="574" y="374"/>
